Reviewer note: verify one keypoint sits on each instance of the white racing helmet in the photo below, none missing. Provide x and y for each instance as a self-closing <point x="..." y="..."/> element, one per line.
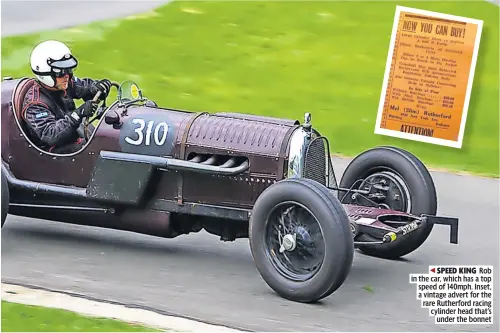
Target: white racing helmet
<point x="51" y="59"/>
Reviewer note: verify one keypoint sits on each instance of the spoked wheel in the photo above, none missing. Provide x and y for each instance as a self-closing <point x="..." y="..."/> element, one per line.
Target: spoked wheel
<point x="301" y="240"/>
<point x="294" y="241"/>
<point x="395" y="179"/>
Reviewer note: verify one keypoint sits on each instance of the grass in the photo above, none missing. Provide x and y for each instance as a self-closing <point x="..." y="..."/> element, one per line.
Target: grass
<point x="280" y="59"/>
<point x="368" y="288"/>
<point x="27" y="318"/>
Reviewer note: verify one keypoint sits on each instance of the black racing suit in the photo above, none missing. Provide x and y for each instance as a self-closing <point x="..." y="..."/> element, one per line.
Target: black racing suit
<point x="47" y="115"/>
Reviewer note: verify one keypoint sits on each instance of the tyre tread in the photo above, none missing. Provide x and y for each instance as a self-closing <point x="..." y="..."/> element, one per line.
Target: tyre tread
<point x="332" y="276"/>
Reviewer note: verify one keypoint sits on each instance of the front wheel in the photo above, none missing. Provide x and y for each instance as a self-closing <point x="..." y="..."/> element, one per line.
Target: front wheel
<point x="301" y="240"/>
<point x="397" y="180"/>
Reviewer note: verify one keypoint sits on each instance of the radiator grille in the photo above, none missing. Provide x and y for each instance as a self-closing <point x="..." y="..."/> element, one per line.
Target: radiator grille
<point x="315" y="161"/>
<point x="318" y="165"/>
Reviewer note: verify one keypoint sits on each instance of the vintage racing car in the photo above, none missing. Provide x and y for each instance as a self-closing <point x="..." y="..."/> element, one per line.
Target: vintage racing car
<point x="167" y="172"/>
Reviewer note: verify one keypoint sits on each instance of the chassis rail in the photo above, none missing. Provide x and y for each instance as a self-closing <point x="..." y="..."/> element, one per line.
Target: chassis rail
<point x="380" y="230"/>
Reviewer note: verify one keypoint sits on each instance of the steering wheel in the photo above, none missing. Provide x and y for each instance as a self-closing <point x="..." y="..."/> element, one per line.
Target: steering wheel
<point x="87" y="120"/>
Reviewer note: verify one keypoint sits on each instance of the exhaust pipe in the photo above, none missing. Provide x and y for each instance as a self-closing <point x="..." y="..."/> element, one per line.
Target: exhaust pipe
<point x="169" y="163"/>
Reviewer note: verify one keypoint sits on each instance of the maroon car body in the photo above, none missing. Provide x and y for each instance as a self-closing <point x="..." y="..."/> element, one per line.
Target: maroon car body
<point x="167" y="172"/>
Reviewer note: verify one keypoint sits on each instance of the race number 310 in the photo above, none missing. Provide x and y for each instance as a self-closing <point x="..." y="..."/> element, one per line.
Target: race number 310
<point x="147" y="132"/>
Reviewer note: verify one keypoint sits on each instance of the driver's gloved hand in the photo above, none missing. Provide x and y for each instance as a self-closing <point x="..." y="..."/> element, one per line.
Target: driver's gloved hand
<point x="85" y="110"/>
<point x="104" y="86"/>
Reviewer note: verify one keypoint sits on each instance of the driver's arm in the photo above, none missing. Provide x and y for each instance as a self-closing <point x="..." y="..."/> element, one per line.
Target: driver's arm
<point x="81" y="88"/>
<point x="49" y="130"/>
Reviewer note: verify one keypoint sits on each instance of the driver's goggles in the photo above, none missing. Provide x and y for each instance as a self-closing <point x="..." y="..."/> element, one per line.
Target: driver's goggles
<point x="62" y="72"/>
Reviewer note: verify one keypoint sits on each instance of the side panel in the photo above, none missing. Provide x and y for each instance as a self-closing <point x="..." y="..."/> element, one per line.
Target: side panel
<point x="6" y="91"/>
<point x="153" y="131"/>
<point x="164" y="139"/>
<point x="121" y="182"/>
<point x="28" y="163"/>
<point x="235" y="191"/>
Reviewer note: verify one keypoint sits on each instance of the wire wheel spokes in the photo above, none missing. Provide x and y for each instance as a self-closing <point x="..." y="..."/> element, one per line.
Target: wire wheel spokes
<point x="295" y="242"/>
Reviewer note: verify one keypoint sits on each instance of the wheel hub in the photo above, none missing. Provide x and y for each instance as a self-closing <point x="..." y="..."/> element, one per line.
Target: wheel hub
<point x="288" y="243"/>
<point x="387" y="190"/>
<point x="294" y="241"/>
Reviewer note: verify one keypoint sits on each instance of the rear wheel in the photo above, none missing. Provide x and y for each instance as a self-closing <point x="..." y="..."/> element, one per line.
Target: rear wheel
<point x="397" y="180"/>
<point x="5" y="198"/>
<point x="301" y="240"/>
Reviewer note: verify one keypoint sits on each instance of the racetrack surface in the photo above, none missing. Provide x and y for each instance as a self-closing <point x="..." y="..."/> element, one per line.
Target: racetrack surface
<point x="199" y="276"/>
<point x="38" y="15"/>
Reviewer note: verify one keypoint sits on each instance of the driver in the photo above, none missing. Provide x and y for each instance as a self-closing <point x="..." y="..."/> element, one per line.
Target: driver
<point x="48" y="109"/>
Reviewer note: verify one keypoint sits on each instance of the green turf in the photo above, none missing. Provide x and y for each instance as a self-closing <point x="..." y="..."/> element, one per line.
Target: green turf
<point x="27" y="318"/>
<point x="281" y="59"/>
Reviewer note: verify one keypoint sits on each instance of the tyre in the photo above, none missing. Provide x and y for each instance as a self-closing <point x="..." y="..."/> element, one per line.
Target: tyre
<point x="410" y="189"/>
<point x="5" y="198"/>
<point x="301" y="240"/>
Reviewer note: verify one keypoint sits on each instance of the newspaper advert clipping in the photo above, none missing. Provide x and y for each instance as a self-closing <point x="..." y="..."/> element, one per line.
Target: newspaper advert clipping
<point x="428" y="79"/>
<point x="457" y="294"/>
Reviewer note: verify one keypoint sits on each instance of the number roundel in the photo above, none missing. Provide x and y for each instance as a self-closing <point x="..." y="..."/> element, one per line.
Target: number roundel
<point x="145" y="132"/>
